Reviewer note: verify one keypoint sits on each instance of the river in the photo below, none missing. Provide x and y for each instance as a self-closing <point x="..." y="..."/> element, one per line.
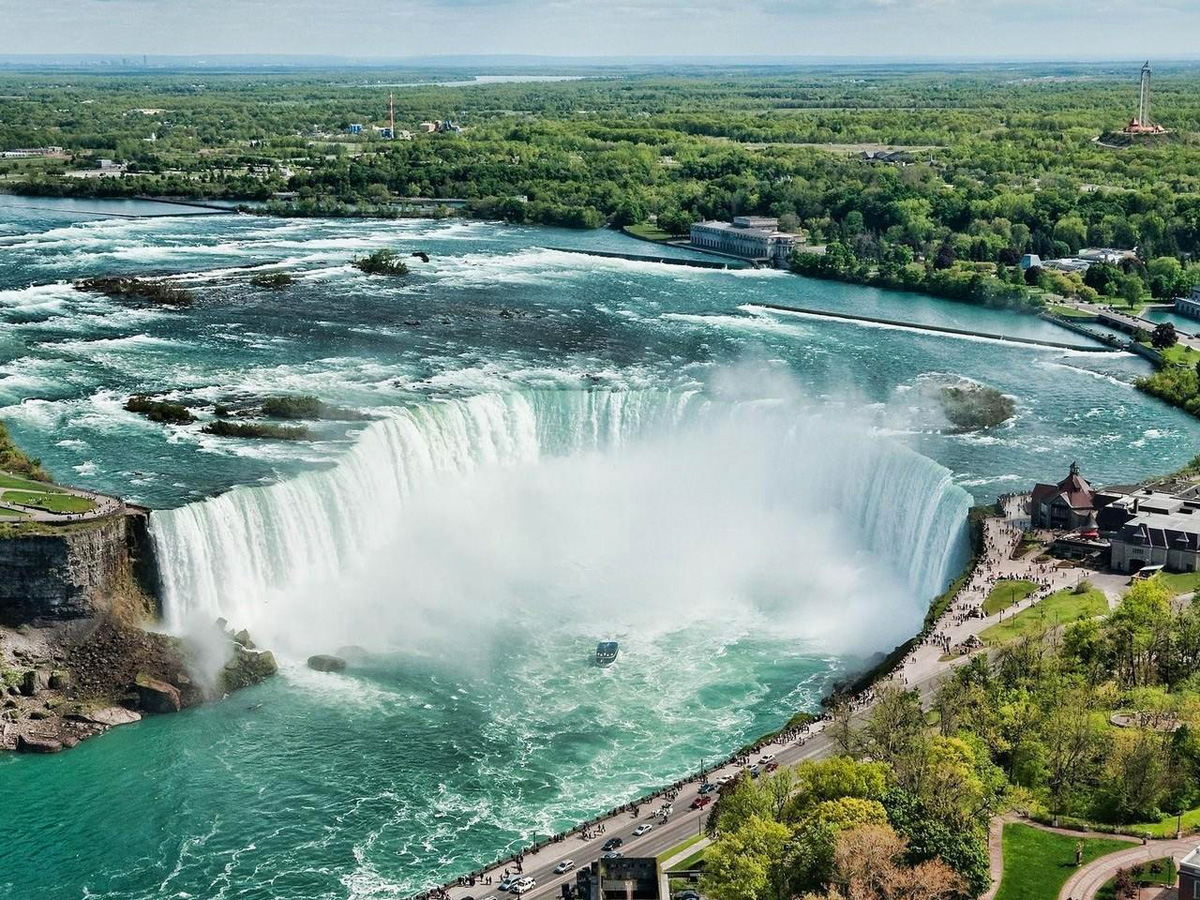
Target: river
<point x="561" y="449"/>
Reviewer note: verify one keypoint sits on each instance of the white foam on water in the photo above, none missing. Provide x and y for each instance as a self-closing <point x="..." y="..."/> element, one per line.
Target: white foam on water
<point x="271" y="557"/>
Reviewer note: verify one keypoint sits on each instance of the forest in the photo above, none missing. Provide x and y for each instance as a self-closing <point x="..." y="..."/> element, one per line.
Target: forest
<point x="1095" y="724"/>
<point x="997" y="162"/>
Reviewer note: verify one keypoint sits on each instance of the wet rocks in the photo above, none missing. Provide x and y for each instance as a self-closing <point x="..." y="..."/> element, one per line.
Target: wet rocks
<point x="247" y="667"/>
<point x="33" y="743"/>
<point x="324" y="663"/>
<point x="156" y="696"/>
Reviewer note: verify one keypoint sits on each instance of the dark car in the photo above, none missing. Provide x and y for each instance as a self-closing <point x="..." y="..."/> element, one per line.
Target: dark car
<point x="612" y="844"/>
<point x="708" y="788"/>
<point x="701" y="802"/>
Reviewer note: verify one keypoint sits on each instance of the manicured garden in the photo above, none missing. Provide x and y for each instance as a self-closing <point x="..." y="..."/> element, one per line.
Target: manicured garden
<point x="1037" y="863"/>
<point x="1156" y="872"/>
<point x="50" y="501"/>
<point x="1060" y="608"/>
<point x="1006" y="593"/>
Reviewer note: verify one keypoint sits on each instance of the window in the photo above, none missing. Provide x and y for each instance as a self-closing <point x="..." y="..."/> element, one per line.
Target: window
<point x="1195" y="888"/>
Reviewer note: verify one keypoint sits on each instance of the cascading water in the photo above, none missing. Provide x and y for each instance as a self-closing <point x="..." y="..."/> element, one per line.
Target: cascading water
<point x="251" y="553"/>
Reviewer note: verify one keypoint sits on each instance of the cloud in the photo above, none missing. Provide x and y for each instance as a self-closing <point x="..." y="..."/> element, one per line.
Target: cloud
<point x="986" y="28"/>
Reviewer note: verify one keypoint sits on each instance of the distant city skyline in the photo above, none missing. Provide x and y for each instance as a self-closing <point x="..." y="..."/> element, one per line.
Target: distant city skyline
<point x="963" y="29"/>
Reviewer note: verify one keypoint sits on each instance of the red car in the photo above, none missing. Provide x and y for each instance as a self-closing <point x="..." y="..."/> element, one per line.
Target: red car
<point x="771" y="767"/>
<point x="701" y="802"/>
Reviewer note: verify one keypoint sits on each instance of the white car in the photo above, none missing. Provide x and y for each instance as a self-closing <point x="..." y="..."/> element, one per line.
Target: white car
<point x="766" y="758"/>
<point x="524" y="886"/>
<point x="565" y="866"/>
<point x="644" y="828"/>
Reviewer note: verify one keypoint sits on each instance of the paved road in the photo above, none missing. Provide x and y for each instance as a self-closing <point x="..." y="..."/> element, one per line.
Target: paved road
<point x="923" y="670"/>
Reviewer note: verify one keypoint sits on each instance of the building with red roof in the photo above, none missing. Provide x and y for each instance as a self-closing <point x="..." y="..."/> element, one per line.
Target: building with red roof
<point x="1066" y="506"/>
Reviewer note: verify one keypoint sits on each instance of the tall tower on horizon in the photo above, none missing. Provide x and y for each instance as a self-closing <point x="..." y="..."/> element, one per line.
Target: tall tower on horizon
<point x="1144" y="99"/>
<point x="392" y="115"/>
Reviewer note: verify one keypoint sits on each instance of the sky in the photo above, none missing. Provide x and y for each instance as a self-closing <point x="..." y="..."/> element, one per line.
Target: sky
<point x="991" y="29"/>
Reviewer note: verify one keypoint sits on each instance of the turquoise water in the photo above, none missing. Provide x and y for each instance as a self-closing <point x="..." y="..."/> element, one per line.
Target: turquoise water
<point x="749" y="502"/>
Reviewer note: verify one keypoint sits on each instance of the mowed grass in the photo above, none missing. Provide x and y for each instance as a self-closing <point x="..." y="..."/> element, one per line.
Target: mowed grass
<point x="1059" y="608"/>
<point x="1165" y="828"/>
<point x="691" y="862"/>
<point x="1038" y="863"/>
<point x="50" y="502"/>
<point x="679" y="848"/>
<point x="24" y="484"/>
<point x="650" y="232"/>
<point x="1071" y="312"/>
<point x="1180" y="582"/>
<point x="1006" y="593"/>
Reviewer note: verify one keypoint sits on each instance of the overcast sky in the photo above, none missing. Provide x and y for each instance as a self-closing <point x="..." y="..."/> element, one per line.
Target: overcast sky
<point x="1006" y="29"/>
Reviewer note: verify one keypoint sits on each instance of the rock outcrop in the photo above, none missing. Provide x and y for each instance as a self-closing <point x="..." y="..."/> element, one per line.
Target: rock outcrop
<point x="70" y="571"/>
<point x="157" y="696"/>
<point x="73" y="681"/>
<point x="324" y="663"/>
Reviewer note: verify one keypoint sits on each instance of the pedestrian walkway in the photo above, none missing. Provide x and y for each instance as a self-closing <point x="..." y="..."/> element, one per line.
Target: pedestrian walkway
<point x="1084" y="884"/>
<point x="12" y="510"/>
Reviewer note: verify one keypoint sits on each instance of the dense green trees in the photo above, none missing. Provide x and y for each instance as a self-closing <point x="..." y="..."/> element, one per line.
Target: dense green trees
<point x="790" y="832"/>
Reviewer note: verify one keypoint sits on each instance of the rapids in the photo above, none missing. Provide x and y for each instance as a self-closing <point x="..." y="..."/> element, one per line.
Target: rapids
<point x="562" y="449"/>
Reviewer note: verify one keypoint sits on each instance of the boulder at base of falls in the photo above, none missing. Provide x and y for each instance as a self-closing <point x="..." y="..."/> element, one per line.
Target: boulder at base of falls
<point x="156" y="696"/>
<point x="325" y="663"/>
<point x="30" y="743"/>
<point x="247" y="667"/>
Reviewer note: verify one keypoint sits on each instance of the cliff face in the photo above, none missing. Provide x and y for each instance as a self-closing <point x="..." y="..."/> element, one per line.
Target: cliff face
<point x="69" y="574"/>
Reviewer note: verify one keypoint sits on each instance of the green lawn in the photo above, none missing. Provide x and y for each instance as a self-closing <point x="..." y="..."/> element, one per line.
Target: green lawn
<point x="1071" y="312"/>
<point x="54" y="502"/>
<point x="1182" y="582"/>
<point x="1180" y="355"/>
<point x="650" y="232"/>
<point x="1060" y="607"/>
<point x="1166" y="827"/>
<point x="1166" y="875"/>
<point x="15" y="481"/>
<point x="691" y="862"/>
<point x="1038" y="863"/>
<point x="1006" y="593"/>
<point x="679" y="848"/>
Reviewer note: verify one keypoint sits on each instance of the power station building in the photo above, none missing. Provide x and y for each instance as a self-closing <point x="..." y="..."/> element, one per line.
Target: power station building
<point x="750" y="237"/>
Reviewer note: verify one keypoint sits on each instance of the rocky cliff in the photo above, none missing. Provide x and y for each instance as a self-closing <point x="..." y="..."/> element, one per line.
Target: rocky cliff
<point x="74" y="571"/>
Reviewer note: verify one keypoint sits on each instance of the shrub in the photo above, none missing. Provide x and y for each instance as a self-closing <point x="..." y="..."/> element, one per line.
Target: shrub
<point x="274" y="281"/>
<point x="160" y="410"/>
<point x="257" y="430"/>
<point x="156" y="293"/>
<point x="381" y="262"/>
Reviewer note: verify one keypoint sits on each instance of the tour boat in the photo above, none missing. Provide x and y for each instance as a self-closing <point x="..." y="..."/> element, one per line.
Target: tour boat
<point x="606" y="653"/>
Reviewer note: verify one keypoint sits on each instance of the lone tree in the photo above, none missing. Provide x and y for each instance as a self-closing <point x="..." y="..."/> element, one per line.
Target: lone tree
<point x="1164" y="336"/>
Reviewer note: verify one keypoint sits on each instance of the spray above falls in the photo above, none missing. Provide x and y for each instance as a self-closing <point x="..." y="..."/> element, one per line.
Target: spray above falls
<point x="586" y="509"/>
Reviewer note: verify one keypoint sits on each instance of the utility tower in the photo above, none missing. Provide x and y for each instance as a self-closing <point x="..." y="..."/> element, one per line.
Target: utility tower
<point x="392" y="114"/>
<point x="1144" y="100"/>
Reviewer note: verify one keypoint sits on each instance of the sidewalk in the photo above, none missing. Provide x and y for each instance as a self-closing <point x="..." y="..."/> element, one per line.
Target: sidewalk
<point x="1084" y="883"/>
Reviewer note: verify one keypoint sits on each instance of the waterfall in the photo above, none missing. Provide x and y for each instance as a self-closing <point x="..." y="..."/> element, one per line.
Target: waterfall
<point x="245" y="553"/>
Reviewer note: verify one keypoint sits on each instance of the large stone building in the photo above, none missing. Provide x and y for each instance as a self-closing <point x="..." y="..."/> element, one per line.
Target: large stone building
<point x="1159" y="530"/>
<point x="750" y="237"/>
<point x="1068" y="505"/>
